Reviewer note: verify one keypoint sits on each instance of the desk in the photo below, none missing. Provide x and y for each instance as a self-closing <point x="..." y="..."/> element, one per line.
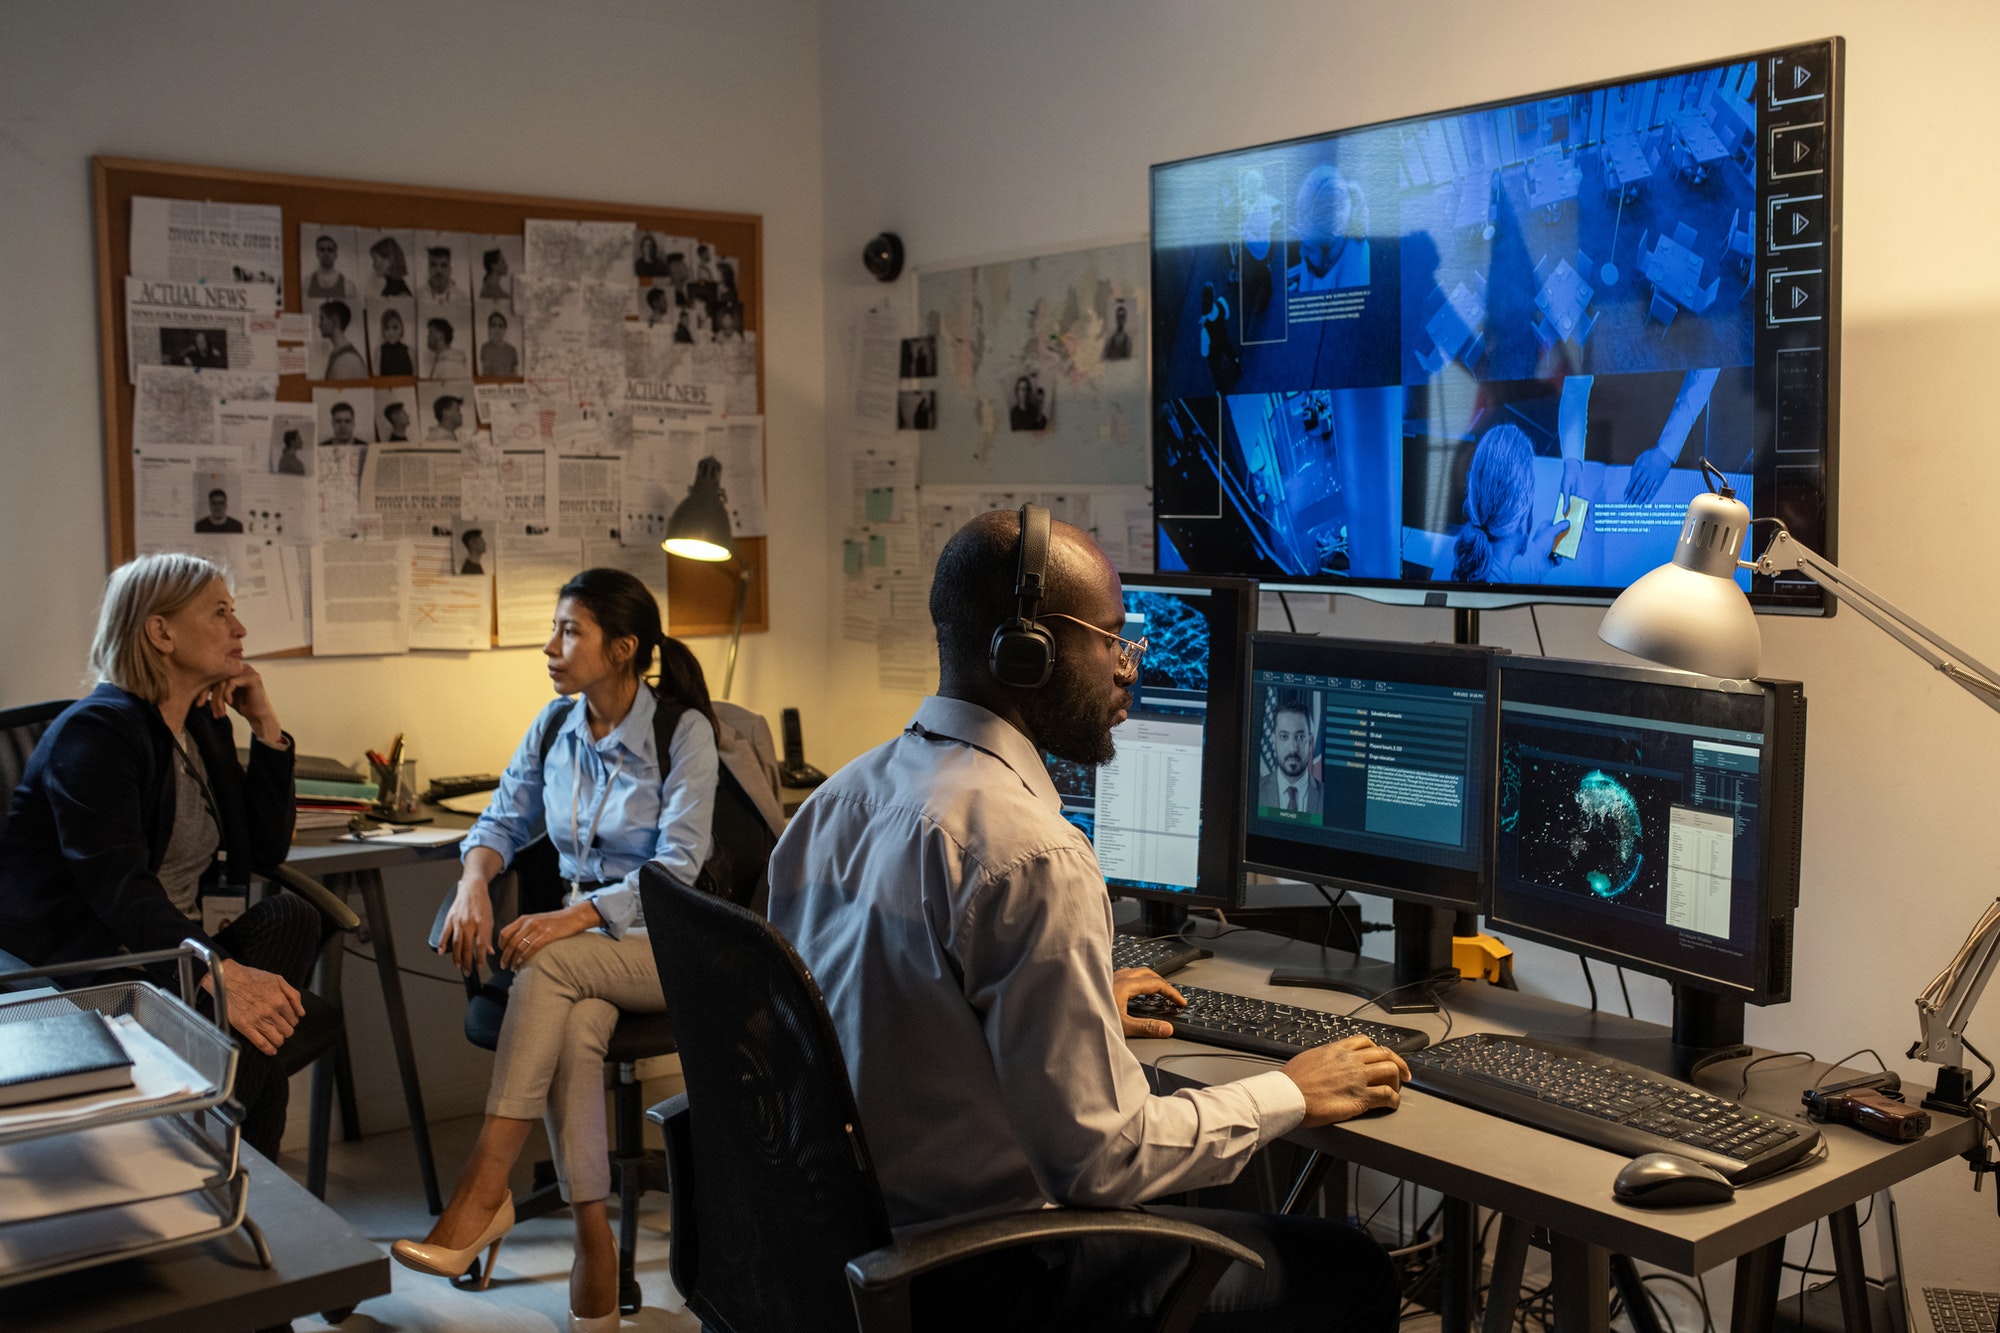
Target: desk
<point x="1624" y="161"/>
<point x="1675" y="270"/>
<point x="1552" y="179"/>
<point x="1698" y="137"/>
<point x="349" y="868"/>
<point x="1535" y="1179"/>
<point x="1457" y="320"/>
<point x="1473" y="208"/>
<point x="318" y="1263"/>
<point x="1564" y="298"/>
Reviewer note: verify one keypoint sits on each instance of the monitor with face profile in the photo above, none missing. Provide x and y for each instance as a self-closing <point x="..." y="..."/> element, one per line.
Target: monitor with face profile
<point x="1164" y="814"/>
<point x="1368" y="767"/>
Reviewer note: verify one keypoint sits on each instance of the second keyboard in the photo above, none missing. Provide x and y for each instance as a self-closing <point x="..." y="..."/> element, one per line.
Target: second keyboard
<point x="1264" y="1027"/>
<point x="1609" y="1103"/>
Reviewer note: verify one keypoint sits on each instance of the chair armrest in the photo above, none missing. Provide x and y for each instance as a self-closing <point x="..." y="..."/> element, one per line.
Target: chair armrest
<point x="919" y="1249"/>
<point x="330" y="904"/>
<point x="673" y="1106"/>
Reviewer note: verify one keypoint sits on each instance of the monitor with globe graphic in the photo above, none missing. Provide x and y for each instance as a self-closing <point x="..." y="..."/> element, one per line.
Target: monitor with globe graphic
<point x="1651" y="819"/>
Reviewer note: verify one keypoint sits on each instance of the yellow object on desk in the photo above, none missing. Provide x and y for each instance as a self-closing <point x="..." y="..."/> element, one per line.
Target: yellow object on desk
<point x="1480" y="957"/>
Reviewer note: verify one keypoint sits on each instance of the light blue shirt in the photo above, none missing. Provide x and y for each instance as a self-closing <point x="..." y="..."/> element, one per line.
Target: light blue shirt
<point x="641" y="819"/>
<point x="959" y="928"/>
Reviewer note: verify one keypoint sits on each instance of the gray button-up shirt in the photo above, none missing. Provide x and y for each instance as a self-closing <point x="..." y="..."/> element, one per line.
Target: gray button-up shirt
<point x="961" y="932"/>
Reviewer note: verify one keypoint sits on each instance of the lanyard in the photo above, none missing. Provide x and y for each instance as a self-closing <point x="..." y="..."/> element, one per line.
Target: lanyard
<point x="603" y="799"/>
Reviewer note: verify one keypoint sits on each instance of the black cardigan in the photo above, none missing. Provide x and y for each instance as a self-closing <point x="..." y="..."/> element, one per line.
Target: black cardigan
<point x="89" y="824"/>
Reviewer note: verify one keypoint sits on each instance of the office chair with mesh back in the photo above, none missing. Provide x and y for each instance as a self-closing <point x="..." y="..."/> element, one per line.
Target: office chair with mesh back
<point x="778" y="1219"/>
<point x="320" y="1039"/>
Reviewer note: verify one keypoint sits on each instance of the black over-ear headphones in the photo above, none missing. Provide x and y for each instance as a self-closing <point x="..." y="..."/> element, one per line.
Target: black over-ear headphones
<point x="1022" y="653"/>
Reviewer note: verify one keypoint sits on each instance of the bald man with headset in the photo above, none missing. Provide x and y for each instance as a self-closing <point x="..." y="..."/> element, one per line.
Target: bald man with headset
<point x="960" y="930"/>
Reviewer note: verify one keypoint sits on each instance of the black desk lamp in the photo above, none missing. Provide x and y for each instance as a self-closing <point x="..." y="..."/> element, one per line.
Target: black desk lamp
<point x="699" y="530"/>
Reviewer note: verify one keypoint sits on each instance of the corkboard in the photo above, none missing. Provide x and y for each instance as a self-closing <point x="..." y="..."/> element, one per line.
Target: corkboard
<point x="701" y="599"/>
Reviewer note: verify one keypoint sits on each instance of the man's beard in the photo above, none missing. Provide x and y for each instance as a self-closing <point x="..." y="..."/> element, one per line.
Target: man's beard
<point x="1291" y="765"/>
<point x="1069" y="723"/>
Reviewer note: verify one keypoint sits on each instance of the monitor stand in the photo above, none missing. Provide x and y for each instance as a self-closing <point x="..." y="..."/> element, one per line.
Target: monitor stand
<point x="1707" y="1028"/>
<point x="1423" y="965"/>
<point x="1156" y="920"/>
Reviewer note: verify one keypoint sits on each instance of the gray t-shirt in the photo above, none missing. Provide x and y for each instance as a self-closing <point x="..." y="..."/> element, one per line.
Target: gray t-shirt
<point x="195" y="836"/>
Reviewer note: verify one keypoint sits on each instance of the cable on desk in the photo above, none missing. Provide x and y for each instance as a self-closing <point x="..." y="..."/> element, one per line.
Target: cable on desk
<point x="1841" y="1063"/>
<point x="1744" y="1090"/>
<point x="1626" y="992"/>
<point x="1333" y="910"/>
<point x="1291" y="623"/>
<point x="1589" y="981"/>
<point x="353" y="952"/>
<point x="1982" y="1060"/>
<point x="1536" y="621"/>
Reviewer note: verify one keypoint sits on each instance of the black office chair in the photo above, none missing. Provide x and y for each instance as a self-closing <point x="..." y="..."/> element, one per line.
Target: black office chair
<point x="534" y="884"/>
<point x="782" y="1225"/>
<point x="320" y="1039"/>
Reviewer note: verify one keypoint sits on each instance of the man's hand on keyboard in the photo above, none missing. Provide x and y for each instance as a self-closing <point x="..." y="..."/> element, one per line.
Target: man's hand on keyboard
<point x="1131" y="981"/>
<point x="1346" y="1078"/>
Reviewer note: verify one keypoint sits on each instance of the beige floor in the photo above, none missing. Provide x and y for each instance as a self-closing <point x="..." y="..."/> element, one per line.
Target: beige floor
<point x="374" y="1185"/>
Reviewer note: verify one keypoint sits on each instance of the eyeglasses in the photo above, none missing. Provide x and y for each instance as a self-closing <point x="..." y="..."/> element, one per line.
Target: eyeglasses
<point x="1129" y="651"/>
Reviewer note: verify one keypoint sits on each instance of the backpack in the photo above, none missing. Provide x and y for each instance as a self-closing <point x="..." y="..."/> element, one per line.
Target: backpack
<point x="749" y="814"/>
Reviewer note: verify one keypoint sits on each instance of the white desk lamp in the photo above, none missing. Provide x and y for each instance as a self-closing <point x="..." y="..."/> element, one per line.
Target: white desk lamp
<point x="699" y="530"/>
<point x="1691" y="614"/>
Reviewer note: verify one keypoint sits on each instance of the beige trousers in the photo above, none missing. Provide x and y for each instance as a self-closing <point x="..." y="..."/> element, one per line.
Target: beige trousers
<point x="560" y="1013"/>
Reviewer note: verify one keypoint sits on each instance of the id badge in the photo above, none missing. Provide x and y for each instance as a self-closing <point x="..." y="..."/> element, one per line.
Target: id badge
<point x="220" y="906"/>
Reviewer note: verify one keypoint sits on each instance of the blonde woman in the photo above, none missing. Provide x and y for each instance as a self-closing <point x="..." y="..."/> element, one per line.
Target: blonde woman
<point x="134" y="806"/>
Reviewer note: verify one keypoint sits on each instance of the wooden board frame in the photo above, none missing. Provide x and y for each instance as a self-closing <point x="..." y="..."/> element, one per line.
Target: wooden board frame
<point x="701" y="599"/>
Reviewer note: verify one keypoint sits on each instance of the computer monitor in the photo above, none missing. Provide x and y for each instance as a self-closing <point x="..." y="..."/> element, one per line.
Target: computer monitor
<point x="1369" y="767"/>
<point x="1387" y="359"/>
<point x="1163" y="814"/>
<point x="1651" y="819"/>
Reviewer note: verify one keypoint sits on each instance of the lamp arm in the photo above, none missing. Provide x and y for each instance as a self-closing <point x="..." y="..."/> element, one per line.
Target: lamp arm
<point x="1947" y="1003"/>
<point x="1785" y="554"/>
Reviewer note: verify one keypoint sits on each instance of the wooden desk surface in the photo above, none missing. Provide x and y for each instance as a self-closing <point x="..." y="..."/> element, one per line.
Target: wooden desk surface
<point x="318" y="1263"/>
<point x="1541" y="1178"/>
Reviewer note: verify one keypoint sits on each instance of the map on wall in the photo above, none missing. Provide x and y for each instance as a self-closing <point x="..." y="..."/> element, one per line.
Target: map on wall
<point x="1041" y="374"/>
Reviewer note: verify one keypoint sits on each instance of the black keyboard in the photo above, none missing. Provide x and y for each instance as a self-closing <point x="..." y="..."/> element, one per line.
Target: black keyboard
<point x="1609" y="1103"/>
<point x="1956" y="1310"/>
<point x="1163" y="955"/>
<point x="1262" y="1027"/>
<point x="443" y="789"/>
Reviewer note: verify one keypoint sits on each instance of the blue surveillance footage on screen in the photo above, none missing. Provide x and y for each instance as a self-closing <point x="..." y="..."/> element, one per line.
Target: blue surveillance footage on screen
<point x="1491" y="348"/>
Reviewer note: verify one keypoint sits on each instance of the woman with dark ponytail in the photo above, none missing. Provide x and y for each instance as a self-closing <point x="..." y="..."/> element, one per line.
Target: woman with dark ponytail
<point x="587" y="774"/>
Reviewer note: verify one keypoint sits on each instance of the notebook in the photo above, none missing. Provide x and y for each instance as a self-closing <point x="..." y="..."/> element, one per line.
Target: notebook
<point x="60" y="1055"/>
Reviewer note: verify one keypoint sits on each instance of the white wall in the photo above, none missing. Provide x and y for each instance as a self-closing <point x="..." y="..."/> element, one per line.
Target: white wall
<point x="978" y="129"/>
<point x="669" y="103"/>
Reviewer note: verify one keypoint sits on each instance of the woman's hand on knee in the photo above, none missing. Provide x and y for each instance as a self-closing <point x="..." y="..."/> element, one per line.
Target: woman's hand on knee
<point x="525" y="936"/>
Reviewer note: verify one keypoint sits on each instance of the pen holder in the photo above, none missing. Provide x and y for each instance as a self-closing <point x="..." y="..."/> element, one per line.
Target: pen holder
<point x="396" y="789"/>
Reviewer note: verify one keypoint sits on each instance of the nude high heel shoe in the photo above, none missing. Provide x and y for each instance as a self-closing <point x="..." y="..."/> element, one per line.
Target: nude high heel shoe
<point x="442" y="1262"/>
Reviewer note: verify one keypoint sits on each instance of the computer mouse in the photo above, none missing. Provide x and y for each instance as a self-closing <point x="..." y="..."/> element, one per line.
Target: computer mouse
<point x="1664" y="1180"/>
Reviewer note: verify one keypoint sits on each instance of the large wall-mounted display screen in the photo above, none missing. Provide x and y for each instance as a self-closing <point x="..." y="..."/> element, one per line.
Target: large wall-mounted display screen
<point x="1485" y="352"/>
